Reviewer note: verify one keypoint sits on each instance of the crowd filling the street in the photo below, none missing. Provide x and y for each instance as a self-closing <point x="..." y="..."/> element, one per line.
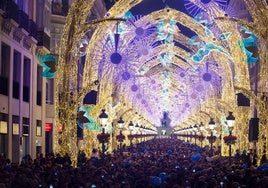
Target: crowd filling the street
<point x="160" y="162"/>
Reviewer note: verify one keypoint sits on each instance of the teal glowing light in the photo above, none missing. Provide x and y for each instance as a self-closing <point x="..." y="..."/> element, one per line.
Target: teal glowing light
<point x="128" y="15"/>
<point x="248" y="42"/>
<point x="193" y="41"/>
<point x="225" y="36"/>
<point x="205" y="51"/>
<point x="85" y="121"/>
<point x="48" y="62"/>
<point x="166" y="29"/>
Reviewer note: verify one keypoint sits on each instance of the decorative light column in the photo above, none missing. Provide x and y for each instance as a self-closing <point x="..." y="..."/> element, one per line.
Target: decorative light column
<point x="229" y="140"/>
<point x="103" y="137"/>
<point x="137" y="128"/>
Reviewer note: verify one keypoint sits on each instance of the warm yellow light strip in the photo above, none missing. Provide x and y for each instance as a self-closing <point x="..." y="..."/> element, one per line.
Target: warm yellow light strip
<point x="66" y="81"/>
<point x="67" y="66"/>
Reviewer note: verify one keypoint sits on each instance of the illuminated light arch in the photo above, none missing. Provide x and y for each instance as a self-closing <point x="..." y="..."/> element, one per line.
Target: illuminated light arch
<point x="162" y="11"/>
<point x="162" y="49"/>
<point x="154" y="18"/>
<point x="241" y="79"/>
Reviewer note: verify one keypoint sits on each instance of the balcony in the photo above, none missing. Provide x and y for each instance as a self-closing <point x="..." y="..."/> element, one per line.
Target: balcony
<point x="23" y="20"/>
<point x="43" y="39"/>
<point x="32" y="29"/>
<point x="11" y="9"/>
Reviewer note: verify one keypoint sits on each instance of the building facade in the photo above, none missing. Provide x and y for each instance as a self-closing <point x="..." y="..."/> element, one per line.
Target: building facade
<point x="29" y="28"/>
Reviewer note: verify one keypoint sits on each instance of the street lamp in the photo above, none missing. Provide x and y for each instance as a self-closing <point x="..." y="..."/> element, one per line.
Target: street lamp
<point x="195" y="130"/>
<point x="131" y="127"/>
<point x="212" y="138"/>
<point x="103" y="119"/>
<point x="121" y="123"/>
<point x="230" y="123"/>
<point x="137" y="131"/>
<point x="190" y="129"/>
<point x="120" y="137"/>
<point x="201" y="137"/>
<point x="137" y="128"/>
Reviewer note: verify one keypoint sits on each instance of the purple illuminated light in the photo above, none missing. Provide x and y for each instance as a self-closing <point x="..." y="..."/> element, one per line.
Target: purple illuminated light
<point x="134" y="88"/>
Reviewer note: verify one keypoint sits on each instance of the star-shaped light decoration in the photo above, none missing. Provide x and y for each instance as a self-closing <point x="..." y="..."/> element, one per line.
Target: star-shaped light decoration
<point x="117" y="59"/>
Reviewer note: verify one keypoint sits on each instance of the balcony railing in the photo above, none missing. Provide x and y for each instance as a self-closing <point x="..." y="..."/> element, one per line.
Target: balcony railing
<point x="43" y="39"/>
<point x="23" y="20"/>
<point x="11" y="9"/>
<point x="33" y="29"/>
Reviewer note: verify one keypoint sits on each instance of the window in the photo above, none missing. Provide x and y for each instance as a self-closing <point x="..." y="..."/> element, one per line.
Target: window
<point x="25" y="126"/>
<point x="3" y="123"/>
<point x="3" y="127"/>
<point x="26" y="79"/>
<point x="65" y="7"/>
<point x="38" y="128"/>
<point x="15" y="129"/>
<point x="49" y="91"/>
<point x="4" y="68"/>
<point x="39" y="85"/>
<point x="39" y="12"/>
<point x="15" y="125"/>
<point x="16" y="74"/>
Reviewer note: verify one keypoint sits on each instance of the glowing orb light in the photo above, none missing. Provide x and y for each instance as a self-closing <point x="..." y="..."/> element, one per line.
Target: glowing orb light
<point x="207" y="77"/>
<point x="126" y="75"/>
<point x="134" y="88"/>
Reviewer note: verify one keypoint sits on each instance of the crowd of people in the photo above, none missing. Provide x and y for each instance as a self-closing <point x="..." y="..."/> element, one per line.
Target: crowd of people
<point x="157" y="163"/>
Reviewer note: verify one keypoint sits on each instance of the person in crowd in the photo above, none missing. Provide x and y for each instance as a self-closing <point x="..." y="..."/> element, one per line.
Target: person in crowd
<point x="263" y="158"/>
<point x="237" y="155"/>
<point x="157" y="163"/>
<point x="95" y="154"/>
<point x="252" y="157"/>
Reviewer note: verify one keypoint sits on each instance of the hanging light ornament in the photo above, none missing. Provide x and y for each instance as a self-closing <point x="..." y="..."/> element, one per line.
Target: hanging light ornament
<point x="134" y="88"/>
<point x="207" y="76"/>
<point x="116" y="57"/>
<point x="137" y="27"/>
